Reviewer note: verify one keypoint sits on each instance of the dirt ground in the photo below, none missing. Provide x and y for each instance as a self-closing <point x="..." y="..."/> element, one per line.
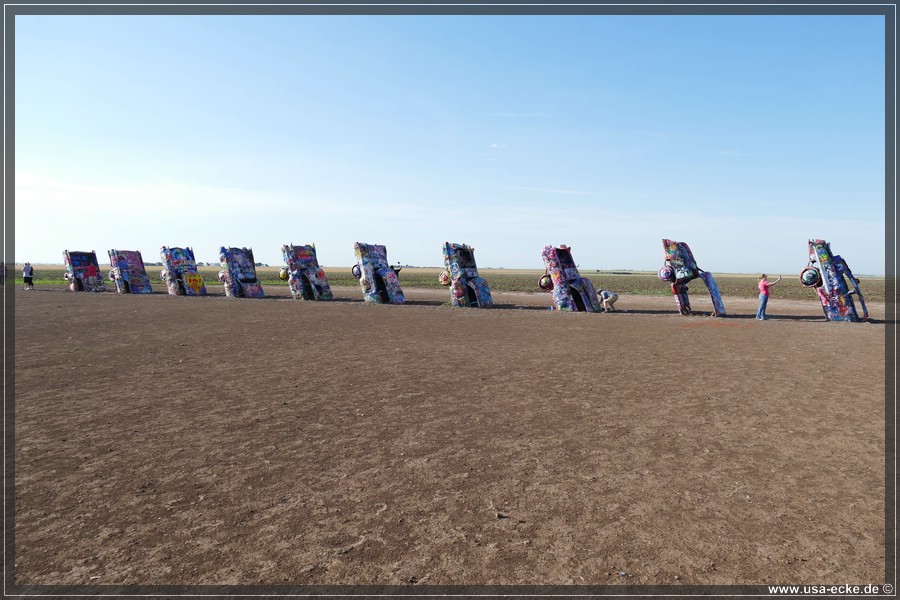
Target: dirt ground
<point x="170" y="440"/>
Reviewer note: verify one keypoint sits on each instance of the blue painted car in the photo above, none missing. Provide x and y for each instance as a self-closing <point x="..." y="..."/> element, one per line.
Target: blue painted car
<point x="835" y="285"/>
<point x="679" y="269"/>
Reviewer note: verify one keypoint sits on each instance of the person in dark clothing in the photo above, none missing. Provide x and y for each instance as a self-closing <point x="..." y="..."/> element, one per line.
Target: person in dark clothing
<point x="28" y="276"/>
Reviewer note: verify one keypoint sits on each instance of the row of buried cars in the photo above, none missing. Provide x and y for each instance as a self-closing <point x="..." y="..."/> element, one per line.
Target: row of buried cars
<point x="380" y="281"/>
<point x="827" y="273"/>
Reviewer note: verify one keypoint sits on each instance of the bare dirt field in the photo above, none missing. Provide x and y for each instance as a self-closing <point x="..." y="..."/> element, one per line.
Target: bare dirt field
<point x="171" y="440"/>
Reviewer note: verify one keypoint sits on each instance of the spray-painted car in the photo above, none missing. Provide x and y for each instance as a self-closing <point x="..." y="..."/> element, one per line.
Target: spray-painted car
<point x="128" y="272"/>
<point x="303" y="273"/>
<point x="379" y="281"/>
<point x="571" y="291"/>
<point x="834" y="283"/>
<point x="680" y="269"/>
<point x="467" y="288"/>
<point x="238" y="273"/>
<point x="180" y="272"/>
<point x="83" y="271"/>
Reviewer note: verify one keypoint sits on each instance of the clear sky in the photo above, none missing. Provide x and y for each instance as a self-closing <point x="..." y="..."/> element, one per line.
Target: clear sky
<point x="743" y="136"/>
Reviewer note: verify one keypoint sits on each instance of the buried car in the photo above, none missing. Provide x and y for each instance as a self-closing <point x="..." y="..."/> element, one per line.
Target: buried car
<point x="306" y="278"/>
<point x="83" y="271"/>
<point x="238" y="273"/>
<point x="467" y="288"/>
<point x="834" y="283"/>
<point x="180" y="272"/>
<point x="571" y="291"/>
<point x="679" y="270"/>
<point x="379" y="281"/>
<point x="128" y="272"/>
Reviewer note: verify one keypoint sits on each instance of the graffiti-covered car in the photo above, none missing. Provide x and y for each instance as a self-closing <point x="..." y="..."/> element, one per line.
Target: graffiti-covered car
<point x="679" y="269"/>
<point x="467" y="287"/>
<point x="834" y="283"/>
<point x="379" y="281"/>
<point x="305" y="277"/>
<point x="128" y="272"/>
<point x="571" y="291"/>
<point x="238" y="273"/>
<point x="83" y="271"/>
<point x="180" y="272"/>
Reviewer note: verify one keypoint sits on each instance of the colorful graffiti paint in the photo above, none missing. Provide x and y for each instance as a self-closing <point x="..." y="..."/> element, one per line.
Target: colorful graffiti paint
<point x="571" y="291"/>
<point x="128" y="272"/>
<point x="834" y="283"/>
<point x="306" y="278"/>
<point x="467" y="288"/>
<point x="180" y="272"/>
<point x="83" y="271"/>
<point x="238" y="273"/>
<point x="679" y="269"/>
<point x="379" y="282"/>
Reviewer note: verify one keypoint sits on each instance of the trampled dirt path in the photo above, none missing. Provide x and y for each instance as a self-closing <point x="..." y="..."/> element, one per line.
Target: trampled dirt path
<point x="164" y="440"/>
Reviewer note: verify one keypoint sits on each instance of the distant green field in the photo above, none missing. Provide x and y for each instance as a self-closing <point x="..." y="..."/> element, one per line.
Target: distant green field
<point x="519" y="280"/>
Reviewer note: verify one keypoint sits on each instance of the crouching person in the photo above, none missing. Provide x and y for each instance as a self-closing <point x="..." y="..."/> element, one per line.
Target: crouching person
<point x="608" y="299"/>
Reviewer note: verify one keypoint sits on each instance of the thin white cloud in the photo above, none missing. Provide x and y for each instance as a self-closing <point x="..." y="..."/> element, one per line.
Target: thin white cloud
<point x="566" y="192"/>
<point x="519" y="115"/>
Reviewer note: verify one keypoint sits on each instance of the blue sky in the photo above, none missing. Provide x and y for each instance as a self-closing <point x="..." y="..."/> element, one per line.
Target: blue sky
<point x="743" y="136"/>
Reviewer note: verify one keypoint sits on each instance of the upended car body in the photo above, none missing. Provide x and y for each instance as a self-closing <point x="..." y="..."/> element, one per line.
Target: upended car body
<point x="679" y="270"/>
<point x="571" y="291"/>
<point x="180" y="272"/>
<point x="128" y="272"/>
<point x="379" y="283"/>
<point x="83" y="271"/>
<point x="238" y="273"/>
<point x="306" y="278"/>
<point x="834" y="283"/>
<point x="467" y="288"/>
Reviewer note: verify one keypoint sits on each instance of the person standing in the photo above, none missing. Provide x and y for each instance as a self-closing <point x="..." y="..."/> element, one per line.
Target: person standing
<point x="764" y="285"/>
<point x="28" y="276"/>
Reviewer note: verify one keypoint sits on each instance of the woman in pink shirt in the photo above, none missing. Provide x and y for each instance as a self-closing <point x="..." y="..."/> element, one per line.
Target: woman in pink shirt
<point x="764" y="284"/>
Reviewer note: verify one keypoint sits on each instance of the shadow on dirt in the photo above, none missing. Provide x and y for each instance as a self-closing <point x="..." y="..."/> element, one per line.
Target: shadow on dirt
<point x="424" y="302"/>
<point x="519" y="307"/>
<point x="644" y="311"/>
<point x="779" y="317"/>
